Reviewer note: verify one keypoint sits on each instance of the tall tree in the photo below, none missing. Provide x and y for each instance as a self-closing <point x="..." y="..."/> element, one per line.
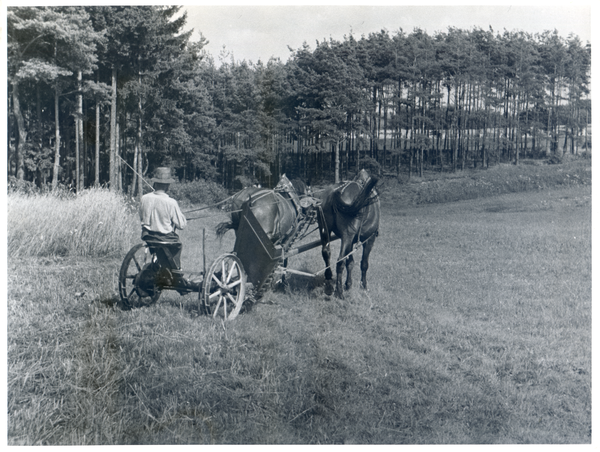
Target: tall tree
<point x="553" y="52"/>
<point x="47" y="45"/>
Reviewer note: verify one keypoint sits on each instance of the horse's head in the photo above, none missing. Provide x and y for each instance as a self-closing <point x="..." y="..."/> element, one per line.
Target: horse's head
<point x="362" y="177"/>
<point x="284" y="185"/>
<point x="287" y="189"/>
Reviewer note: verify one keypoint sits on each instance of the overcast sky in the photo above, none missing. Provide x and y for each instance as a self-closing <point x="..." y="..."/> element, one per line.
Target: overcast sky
<point x="260" y="32"/>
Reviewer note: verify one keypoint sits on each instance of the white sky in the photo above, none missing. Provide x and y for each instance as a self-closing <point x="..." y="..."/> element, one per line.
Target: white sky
<point x="254" y="32"/>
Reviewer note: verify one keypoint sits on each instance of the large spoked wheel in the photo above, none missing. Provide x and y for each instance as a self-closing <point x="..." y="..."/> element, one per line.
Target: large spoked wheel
<point x="132" y="293"/>
<point x="224" y="287"/>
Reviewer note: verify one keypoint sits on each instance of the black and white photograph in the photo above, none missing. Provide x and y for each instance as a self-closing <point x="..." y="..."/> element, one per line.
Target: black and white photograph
<point x="298" y="224"/>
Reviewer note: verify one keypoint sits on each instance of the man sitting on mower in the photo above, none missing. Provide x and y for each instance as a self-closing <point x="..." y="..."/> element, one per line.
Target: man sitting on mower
<point x="160" y="217"/>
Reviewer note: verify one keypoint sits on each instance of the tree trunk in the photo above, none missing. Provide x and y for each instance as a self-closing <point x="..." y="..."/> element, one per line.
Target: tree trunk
<point x="118" y="178"/>
<point x="97" y="155"/>
<point x="140" y="169"/>
<point x="550" y="145"/>
<point x="484" y="159"/>
<point x="19" y="167"/>
<point x="140" y="187"/>
<point x="337" y="161"/>
<point x="56" y="167"/>
<point x="85" y="168"/>
<point x="77" y="144"/>
<point x="517" y="128"/>
<point x="113" y="132"/>
<point x="385" y="128"/>
<point x="79" y="134"/>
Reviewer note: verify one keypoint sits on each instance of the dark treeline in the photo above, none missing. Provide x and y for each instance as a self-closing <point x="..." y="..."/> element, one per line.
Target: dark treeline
<point x="99" y="94"/>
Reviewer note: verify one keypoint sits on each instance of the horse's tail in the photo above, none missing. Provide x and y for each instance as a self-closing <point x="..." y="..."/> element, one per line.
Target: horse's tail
<point x="222" y="228"/>
<point x="352" y="198"/>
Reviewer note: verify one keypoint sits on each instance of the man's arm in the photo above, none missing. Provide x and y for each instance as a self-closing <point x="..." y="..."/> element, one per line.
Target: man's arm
<point x="178" y="219"/>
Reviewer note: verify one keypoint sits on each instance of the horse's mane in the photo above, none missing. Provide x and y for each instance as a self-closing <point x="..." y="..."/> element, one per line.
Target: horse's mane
<point x="299" y="186"/>
<point x="360" y="200"/>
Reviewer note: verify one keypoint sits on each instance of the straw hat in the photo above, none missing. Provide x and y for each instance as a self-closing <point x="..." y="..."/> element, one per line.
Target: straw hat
<point x="162" y="175"/>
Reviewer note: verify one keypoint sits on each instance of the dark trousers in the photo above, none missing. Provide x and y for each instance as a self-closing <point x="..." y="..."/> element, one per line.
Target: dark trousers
<point x="174" y="245"/>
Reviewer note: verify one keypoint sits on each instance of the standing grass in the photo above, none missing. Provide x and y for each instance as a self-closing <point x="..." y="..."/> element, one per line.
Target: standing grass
<point x="95" y="223"/>
<point x="476" y="329"/>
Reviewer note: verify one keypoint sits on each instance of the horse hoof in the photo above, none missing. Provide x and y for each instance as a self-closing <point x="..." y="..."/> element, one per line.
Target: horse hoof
<point x="328" y="289"/>
<point x="347" y="286"/>
<point x="339" y="295"/>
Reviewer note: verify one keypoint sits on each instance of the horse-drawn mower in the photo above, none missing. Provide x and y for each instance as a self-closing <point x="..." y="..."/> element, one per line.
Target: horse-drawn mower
<point x="258" y="259"/>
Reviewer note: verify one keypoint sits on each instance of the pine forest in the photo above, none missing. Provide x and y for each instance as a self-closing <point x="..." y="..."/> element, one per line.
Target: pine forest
<point x="99" y="95"/>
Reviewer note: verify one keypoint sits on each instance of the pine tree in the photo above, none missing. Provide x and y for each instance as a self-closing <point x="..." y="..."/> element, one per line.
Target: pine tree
<point x="48" y="45"/>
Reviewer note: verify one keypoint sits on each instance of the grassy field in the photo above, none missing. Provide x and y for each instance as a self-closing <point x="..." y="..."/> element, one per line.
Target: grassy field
<point x="476" y="329"/>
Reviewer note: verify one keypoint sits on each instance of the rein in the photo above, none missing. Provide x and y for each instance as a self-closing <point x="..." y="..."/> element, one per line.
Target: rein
<point x="358" y="245"/>
<point x="210" y="206"/>
<point x="232" y="211"/>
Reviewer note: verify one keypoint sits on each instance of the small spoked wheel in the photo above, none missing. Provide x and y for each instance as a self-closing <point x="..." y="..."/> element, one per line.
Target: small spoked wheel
<point x="134" y="289"/>
<point x="224" y="287"/>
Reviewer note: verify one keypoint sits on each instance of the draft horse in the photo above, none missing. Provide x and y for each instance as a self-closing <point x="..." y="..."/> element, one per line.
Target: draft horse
<point x="351" y="211"/>
<point x="276" y="210"/>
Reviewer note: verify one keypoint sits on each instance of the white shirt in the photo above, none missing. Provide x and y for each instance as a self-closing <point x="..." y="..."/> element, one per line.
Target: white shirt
<point x="160" y="213"/>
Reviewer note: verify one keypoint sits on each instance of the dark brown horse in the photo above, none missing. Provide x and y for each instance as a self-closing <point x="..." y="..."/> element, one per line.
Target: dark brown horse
<point x="276" y="210"/>
<point x="351" y="211"/>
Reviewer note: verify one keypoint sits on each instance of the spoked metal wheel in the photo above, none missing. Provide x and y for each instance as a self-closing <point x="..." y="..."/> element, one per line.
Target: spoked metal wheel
<point x="224" y="287"/>
<point x="131" y="292"/>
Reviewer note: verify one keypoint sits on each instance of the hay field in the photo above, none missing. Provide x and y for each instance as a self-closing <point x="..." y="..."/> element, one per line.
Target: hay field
<point x="476" y="329"/>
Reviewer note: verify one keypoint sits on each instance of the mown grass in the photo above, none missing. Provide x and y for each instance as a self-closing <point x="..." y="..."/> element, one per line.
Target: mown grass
<point x="476" y="329"/>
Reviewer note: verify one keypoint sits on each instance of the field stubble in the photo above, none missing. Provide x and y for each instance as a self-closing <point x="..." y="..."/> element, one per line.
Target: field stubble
<point x="476" y="329"/>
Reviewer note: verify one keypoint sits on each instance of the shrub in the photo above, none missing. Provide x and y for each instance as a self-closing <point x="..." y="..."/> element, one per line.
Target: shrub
<point x="94" y="223"/>
<point x="555" y="160"/>
<point x="21" y="186"/>
<point x="497" y="180"/>
<point x="25" y="187"/>
<point x="200" y="192"/>
<point x="371" y="165"/>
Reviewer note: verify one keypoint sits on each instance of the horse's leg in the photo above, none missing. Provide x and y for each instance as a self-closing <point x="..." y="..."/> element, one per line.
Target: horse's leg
<point x="283" y="281"/>
<point x="325" y="247"/>
<point x="326" y="253"/>
<point x="364" y="262"/>
<point x="349" y="267"/>
<point x="223" y="227"/>
<point x="345" y="248"/>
